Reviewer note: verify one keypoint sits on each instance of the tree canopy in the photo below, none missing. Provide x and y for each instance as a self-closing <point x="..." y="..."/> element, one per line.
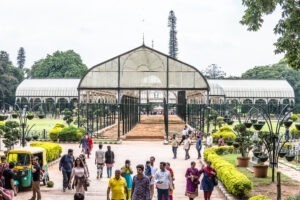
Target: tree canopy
<point x="173" y="45"/>
<point x="280" y="70"/>
<point x="213" y="71"/>
<point x="288" y="27"/>
<point x="21" y="58"/>
<point x="60" y="64"/>
<point x="10" y="77"/>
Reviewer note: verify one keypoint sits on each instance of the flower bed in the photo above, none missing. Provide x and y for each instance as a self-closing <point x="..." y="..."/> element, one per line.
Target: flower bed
<point x="53" y="150"/>
<point x="235" y="182"/>
<point x="259" y="197"/>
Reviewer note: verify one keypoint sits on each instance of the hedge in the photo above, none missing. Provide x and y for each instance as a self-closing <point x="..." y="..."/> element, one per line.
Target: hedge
<point x="235" y="182"/>
<point x="53" y="150"/>
<point x="54" y="132"/>
<point x="70" y="133"/>
<point x="260" y="197"/>
<point x="225" y="132"/>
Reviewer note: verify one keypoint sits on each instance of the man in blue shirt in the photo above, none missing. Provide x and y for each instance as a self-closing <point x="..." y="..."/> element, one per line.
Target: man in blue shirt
<point x="84" y="143"/>
<point x="66" y="165"/>
<point x="199" y="146"/>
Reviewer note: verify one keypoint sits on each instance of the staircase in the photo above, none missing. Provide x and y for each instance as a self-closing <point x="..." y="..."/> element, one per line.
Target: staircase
<point x="152" y="127"/>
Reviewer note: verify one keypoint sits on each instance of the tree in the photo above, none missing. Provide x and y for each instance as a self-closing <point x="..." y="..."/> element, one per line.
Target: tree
<point x="213" y="71"/>
<point x="173" y="45"/>
<point x="288" y="27"/>
<point x="10" y="77"/>
<point x="279" y="70"/>
<point x="60" y="64"/>
<point x="68" y="116"/>
<point x="21" y="58"/>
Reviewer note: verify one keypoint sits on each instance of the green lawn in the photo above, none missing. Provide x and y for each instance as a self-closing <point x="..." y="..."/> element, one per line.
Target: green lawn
<point x="257" y="182"/>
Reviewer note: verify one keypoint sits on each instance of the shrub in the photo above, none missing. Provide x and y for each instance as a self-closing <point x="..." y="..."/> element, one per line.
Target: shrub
<point x="2" y="123"/>
<point x="225" y="132"/>
<point x="70" y="133"/>
<point x="53" y="150"/>
<point x="260" y="197"/>
<point x="295" y="133"/>
<point x="12" y="124"/>
<point x="297" y="197"/>
<point x="50" y="184"/>
<point x="294" y="117"/>
<point x="235" y="182"/>
<point x="54" y="132"/>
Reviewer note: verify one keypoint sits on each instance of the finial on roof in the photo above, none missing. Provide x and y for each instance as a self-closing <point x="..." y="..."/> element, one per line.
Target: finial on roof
<point x="152" y="44"/>
<point x="143" y="39"/>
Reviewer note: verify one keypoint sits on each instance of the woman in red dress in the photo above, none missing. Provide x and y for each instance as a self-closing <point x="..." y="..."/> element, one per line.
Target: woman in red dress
<point x="90" y="146"/>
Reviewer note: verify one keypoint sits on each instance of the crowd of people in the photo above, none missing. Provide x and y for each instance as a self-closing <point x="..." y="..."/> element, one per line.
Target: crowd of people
<point x="124" y="184"/>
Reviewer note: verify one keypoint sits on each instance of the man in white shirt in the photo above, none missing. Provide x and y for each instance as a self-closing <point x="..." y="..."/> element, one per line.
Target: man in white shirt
<point x="209" y="140"/>
<point x="186" y="146"/>
<point x="153" y="171"/>
<point x="163" y="182"/>
<point x="184" y="133"/>
<point x="99" y="161"/>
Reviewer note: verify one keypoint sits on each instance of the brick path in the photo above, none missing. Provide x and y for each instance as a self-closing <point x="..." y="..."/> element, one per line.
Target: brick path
<point x="138" y="152"/>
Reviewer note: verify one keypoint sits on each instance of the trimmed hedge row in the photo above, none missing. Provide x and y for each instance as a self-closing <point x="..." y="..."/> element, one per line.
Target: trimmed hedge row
<point x="260" y="197"/>
<point x="235" y="182"/>
<point x="53" y="150"/>
<point x="70" y="133"/>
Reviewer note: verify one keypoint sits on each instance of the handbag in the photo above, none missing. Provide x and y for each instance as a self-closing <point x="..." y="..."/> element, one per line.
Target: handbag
<point x="215" y="180"/>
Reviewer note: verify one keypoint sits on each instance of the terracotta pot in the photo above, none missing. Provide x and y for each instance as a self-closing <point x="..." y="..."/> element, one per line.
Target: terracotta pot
<point x="260" y="171"/>
<point x="243" y="162"/>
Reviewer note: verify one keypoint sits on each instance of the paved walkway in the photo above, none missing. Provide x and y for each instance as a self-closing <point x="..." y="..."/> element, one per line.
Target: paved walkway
<point x="138" y="152"/>
<point x="289" y="172"/>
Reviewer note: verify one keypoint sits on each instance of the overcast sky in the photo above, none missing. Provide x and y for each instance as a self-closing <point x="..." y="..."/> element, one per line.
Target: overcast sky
<point x="208" y="30"/>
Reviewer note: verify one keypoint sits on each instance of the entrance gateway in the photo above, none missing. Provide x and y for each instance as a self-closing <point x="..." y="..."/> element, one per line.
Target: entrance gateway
<point x="124" y="87"/>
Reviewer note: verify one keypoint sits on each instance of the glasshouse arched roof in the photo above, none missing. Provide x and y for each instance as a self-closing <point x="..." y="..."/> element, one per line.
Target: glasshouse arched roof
<point x="143" y="68"/>
<point x="251" y="88"/>
<point x="48" y="88"/>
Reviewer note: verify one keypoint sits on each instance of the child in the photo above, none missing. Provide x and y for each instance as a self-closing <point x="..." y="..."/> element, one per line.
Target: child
<point x="148" y="170"/>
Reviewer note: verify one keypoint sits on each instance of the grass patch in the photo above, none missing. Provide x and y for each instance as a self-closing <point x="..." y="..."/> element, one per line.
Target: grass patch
<point x="257" y="182"/>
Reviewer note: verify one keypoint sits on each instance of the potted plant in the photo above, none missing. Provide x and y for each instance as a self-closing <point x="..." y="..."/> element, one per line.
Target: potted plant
<point x="258" y="126"/>
<point x="282" y="153"/>
<point x="3" y="117"/>
<point x="41" y="115"/>
<point x="235" y="145"/>
<point x="14" y="115"/>
<point x="260" y="170"/>
<point x="30" y="115"/>
<point x="230" y="122"/>
<point x="290" y="157"/>
<point x="35" y="137"/>
<point x="288" y="123"/>
<point x="248" y="124"/>
<point x="244" y="140"/>
<point x="28" y="138"/>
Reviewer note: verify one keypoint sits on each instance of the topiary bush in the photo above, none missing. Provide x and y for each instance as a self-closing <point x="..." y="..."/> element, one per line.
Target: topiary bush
<point x="294" y="117"/>
<point x="295" y="133"/>
<point x="53" y="150"/>
<point x="260" y="197"/>
<point x="235" y="182"/>
<point x="50" y="184"/>
<point x="54" y="132"/>
<point x="226" y="132"/>
<point x="70" y="133"/>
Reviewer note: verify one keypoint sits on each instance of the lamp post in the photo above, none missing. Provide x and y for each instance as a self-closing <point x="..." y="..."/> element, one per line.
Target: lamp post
<point x="23" y="116"/>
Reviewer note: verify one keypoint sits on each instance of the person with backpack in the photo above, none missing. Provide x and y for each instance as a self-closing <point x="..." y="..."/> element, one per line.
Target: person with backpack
<point x="109" y="161"/>
<point x="199" y="146"/>
<point x="207" y="183"/>
<point x="66" y="165"/>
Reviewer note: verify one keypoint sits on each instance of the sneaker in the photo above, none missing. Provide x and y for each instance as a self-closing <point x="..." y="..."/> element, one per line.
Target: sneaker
<point x="64" y="190"/>
<point x="31" y="198"/>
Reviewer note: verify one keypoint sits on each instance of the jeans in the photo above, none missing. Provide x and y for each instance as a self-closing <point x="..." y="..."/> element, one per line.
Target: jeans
<point x="66" y="178"/>
<point x="109" y="171"/>
<point x="187" y="155"/>
<point x="199" y="153"/>
<point x="100" y="169"/>
<point x="174" y="149"/>
<point x="162" y="193"/>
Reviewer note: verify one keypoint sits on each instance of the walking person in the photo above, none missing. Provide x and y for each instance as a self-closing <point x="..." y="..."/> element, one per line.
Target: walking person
<point x="79" y="175"/>
<point x="163" y="182"/>
<point x="109" y="161"/>
<point x="118" y="188"/>
<point x="83" y="144"/>
<point x="174" y="144"/>
<point x="3" y="166"/>
<point x="192" y="181"/>
<point x="221" y="141"/>
<point x="4" y="193"/>
<point x="36" y="172"/>
<point x="86" y="168"/>
<point x="184" y="134"/>
<point x="140" y="185"/>
<point x="186" y="147"/>
<point x="89" y="146"/>
<point x="126" y="172"/>
<point x="153" y="171"/>
<point x="9" y="175"/>
<point x="209" y="140"/>
<point x="66" y="164"/>
<point x="168" y="167"/>
<point x="199" y="146"/>
<point x="207" y="184"/>
<point x="99" y="161"/>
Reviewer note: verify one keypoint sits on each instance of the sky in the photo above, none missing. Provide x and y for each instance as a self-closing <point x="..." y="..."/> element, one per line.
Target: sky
<point x="209" y="31"/>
